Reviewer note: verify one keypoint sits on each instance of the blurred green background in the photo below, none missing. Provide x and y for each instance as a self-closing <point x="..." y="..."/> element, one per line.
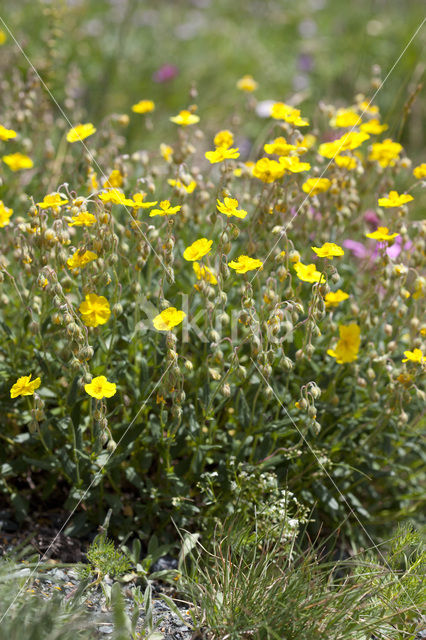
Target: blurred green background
<point x="108" y="54"/>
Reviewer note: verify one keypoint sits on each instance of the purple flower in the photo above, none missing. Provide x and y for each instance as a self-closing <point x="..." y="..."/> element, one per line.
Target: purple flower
<point x="370" y="217"/>
<point x="165" y="73"/>
<point x="305" y="62"/>
<point x="394" y="250"/>
<point x="357" y="248"/>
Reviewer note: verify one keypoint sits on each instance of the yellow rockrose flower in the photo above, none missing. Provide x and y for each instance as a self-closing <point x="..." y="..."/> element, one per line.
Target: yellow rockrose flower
<point x="385" y="153"/>
<point x="166" y="152"/>
<point x="204" y="273"/>
<point x="247" y="83"/>
<point x="82" y="219"/>
<point x="373" y="127"/>
<point x="413" y="356"/>
<point x="181" y="186"/>
<point x="116" y="197"/>
<point x="185" y="118"/>
<point x="229" y="207"/>
<point x="139" y="201"/>
<point x="345" y="162"/>
<point x="5" y="214"/>
<point x="18" y="161"/>
<point x="222" y="153"/>
<point x="244" y="264"/>
<point x="348" y="142"/>
<point x="279" y="147"/>
<point x="308" y="272"/>
<point x="282" y="111"/>
<point x="79" y="260"/>
<point x="313" y="186"/>
<point x="268" y="170"/>
<point x="224" y="138"/>
<point x="168" y="319"/>
<point x="382" y="235"/>
<point x="52" y="200"/>
<point x="100" y="388"/>
<point x="345" y="118"/>
<point x="333" y="298"/>
<point x="395" y="200"/>
<point x="328" y="250"/>
<point x="165" y="209"/>
<point x="419" y="172"/>
<point x="24" y="386"/>
<point x="95" y="310"/>
<point x="144" y="106"/>
<point x="80" y="132"/>
<point x="293" y="164"/>
<point x="348" y="345"/>
<point x="7" y="134"/>
<point x="114" y="180"/>
<point x="198" y="249"/>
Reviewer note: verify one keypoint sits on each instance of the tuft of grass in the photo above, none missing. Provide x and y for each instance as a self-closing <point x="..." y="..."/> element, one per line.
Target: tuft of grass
<point x="249" y="585"/>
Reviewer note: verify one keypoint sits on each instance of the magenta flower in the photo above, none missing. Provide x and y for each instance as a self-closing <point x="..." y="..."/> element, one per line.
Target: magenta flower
<point x="165" y="73"/>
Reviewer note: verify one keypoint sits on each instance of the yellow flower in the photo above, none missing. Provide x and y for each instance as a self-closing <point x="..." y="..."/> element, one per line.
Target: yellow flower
<point x="313" y="186"/>
<point x="244" y="264"/>
<point x="348" y="345"/>
<point x="222" y="153"/>
<point x="82" y="219"/>
<point x="24" y="386"/>
<point x="368" y="108"/>
<point x="420" y="287"/>
<point x="374" y="127"/>
<point x="198" y="249"/>
<point x="385" y="152"/>
<point x="282" y="111"/>
<point x="188" y="188"/>
<point x="185" y="118"/>
<point x="420" y="171"/>
<point x="413" y="356"/>
<point x="53" y="200"/>
<point x="293" y="164"/>
<point x="115" y="180"/>
<point x="268" y="170"/>
<point x="345" y="118"/>
<point x="18" y="161"/>
<point x="345" y="162"/>
<point x="204" y="273"/>
<point x="93" y="181"/>
<point x="328" y="250"/>
<point x="247" y="83"/>
<point x="5" y="214"/>
<point x="168" y="319"/>
<point x="100" y="388"/>
<point x="382" y="235"/>
<point x="139" y="203"/>
<point x="306" y="143"/>
<point x="395" y="200"/>
<point x="6" y="134"/>
<point x="224" y="138"/>
<point x="3" y="37"/>
<point x="279" y="147"/>
<point x="332" y="298"/>
<point x="80" y="132"/>
<point x="116" y="197"/>
<point x="95" y="310"/>
<point x="79" y="260"/>
<point x="166" y="151"/>
<point x="165" y="209"/>
<point x="308" y="272"/>
<point x="144" y="106"/>
<point x="349" y="141"/>
<point x="229" y="208"/>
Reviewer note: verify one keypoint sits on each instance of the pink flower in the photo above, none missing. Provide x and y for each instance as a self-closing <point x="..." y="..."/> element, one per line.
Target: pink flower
<point x="165" y="73"/>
